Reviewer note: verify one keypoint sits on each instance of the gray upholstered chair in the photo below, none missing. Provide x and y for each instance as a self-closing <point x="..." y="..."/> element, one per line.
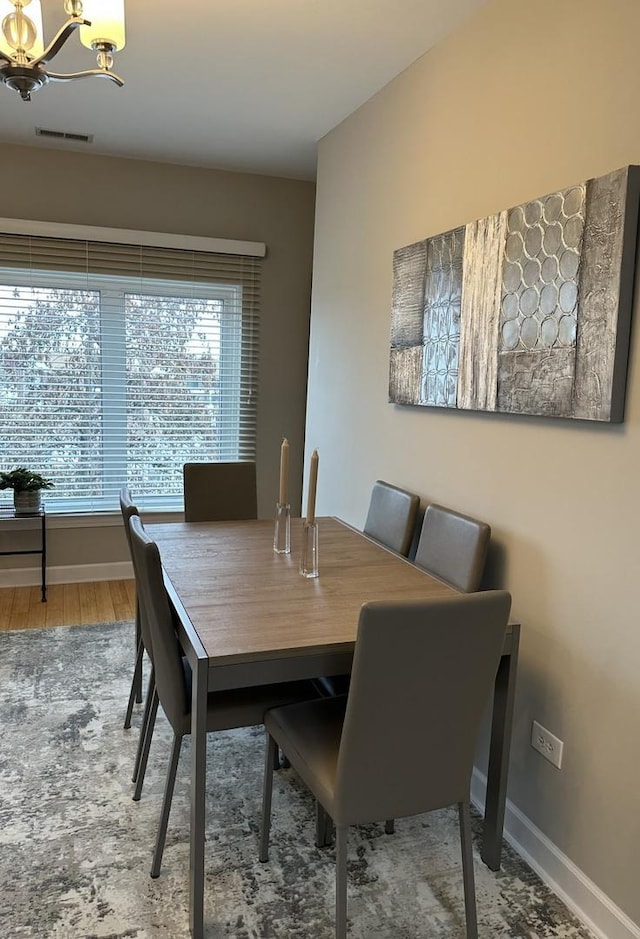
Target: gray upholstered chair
<point x="453" y="547"/>
<point x="391" y="519"/>
<point x="422" y="671"/>
<point x="143" y="644"/>
<point x="244" y="707"/>
<point x="128" y="508"/>
<point x="217" y="492"/>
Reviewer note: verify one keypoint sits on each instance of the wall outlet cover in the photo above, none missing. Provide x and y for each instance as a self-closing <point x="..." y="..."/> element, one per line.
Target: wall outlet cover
<point x="547" y="744"/>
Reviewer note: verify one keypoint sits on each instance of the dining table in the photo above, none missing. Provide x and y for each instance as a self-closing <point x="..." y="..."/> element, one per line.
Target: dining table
<point x="246" y="616"/>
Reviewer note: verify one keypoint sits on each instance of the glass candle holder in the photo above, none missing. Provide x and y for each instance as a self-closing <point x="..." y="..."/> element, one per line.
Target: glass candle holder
<point x="309" y="556"/>
<point x="282" y="529"/>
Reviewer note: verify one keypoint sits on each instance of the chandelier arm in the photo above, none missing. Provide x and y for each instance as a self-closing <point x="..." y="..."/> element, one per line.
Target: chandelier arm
<point x="59" y="39"/>
<point x="89" y="73"/>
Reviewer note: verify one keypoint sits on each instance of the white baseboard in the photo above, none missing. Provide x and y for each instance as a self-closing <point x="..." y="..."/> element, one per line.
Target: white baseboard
<point x="69" y="574"/>
<point x="580" y="894"/>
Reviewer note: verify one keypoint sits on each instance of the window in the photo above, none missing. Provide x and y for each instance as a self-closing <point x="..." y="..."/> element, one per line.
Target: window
<point x="110" y="375"/>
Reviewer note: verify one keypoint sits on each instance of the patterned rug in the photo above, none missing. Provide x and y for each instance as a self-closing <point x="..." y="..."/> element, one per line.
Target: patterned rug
<point x="75" y="850"/>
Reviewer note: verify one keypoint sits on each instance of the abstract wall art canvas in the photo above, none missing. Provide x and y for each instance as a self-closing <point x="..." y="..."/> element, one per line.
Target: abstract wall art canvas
<point x="527" y="311"/>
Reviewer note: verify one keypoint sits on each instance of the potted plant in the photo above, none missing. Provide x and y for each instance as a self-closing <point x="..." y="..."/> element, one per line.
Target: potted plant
<point x="27" y="487"/>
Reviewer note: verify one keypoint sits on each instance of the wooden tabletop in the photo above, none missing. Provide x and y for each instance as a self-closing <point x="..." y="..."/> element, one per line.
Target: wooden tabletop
<point x="247" y="603"/>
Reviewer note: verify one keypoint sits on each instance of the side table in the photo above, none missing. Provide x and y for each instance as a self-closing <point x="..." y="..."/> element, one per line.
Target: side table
<point x="8" y="514"/>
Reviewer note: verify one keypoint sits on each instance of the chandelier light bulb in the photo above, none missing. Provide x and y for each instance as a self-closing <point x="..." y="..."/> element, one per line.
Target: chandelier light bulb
<point x="21" y="34"/>
<point x="107" y="24"/>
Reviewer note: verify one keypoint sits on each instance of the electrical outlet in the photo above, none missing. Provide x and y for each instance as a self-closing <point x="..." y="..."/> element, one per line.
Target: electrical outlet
<point x="547" y="744"/>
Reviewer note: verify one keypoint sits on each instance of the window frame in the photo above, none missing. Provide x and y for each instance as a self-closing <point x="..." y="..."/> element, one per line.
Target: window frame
<point x="115" y="287"/>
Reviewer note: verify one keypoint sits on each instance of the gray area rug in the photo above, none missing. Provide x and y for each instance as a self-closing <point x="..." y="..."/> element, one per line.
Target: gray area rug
<point x="75" y="850"/>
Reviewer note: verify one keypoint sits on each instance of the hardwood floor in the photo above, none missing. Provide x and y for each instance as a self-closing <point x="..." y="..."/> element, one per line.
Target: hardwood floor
<point x="67" y="604"/>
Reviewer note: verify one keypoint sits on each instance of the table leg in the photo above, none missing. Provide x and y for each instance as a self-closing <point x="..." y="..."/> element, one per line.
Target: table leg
<point x="44" y="558"/>
<point x="501" y="724"/>
<point x="198" y="788"/>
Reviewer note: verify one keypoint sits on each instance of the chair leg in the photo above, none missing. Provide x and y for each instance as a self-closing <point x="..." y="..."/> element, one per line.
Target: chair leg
<point x="324" y="827"/>
<point x="133" y="694"/>
<point x="284" y="760"/>
<point x="137" y="675"/>
<point x="144" y="756"/>
<point x="166" y="806"/>
<point x="151" y="687"/>
<point x="467" y="871"/>
<point x="265" y="825"/>
<point x="341" y="882"/>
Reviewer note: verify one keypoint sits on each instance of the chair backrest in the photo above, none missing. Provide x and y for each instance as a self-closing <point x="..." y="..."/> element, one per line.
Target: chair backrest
<point x="157" y="618"/>
<point x="453" y="547"/>
<point x="392" y="516"/>
<point x="422" y="674"/>
<point x="128" y="509"/>
<point x="218" y="492"/>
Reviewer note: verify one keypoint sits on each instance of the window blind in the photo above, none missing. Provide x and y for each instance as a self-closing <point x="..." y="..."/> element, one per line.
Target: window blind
<point x="120" y="362"/>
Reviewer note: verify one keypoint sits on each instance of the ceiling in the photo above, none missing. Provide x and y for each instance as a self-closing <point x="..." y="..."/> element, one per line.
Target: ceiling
<point x="248" y="85"/>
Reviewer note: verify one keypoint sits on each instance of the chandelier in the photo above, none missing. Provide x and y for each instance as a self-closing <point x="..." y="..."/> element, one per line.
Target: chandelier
<point x="24" y="57"/>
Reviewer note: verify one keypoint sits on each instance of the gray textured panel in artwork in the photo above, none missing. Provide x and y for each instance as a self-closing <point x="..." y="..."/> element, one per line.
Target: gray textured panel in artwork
<point x="601" y="285"/>
<point x="441" y="330"/>
<point x="540" y="301"/>
<point x="409" y="270"/>
<point x="540" y="274"/>
<point x="527" y="311"/>
<point x="536" y="382"/>
<point x="480" y="312"/>
<point x="405" y="375"/>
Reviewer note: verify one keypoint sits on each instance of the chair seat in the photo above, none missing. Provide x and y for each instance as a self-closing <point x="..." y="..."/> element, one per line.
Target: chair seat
<point x="245" y="707"/>
<point x="309" y="733"/>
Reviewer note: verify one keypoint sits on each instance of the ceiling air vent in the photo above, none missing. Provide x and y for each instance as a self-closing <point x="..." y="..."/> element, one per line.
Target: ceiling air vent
<point x="64" y="135"/>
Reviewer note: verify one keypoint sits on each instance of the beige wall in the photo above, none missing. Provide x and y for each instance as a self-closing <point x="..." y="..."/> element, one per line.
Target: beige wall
<point x="87" y="190"/>
<point x="528" y="97"/>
